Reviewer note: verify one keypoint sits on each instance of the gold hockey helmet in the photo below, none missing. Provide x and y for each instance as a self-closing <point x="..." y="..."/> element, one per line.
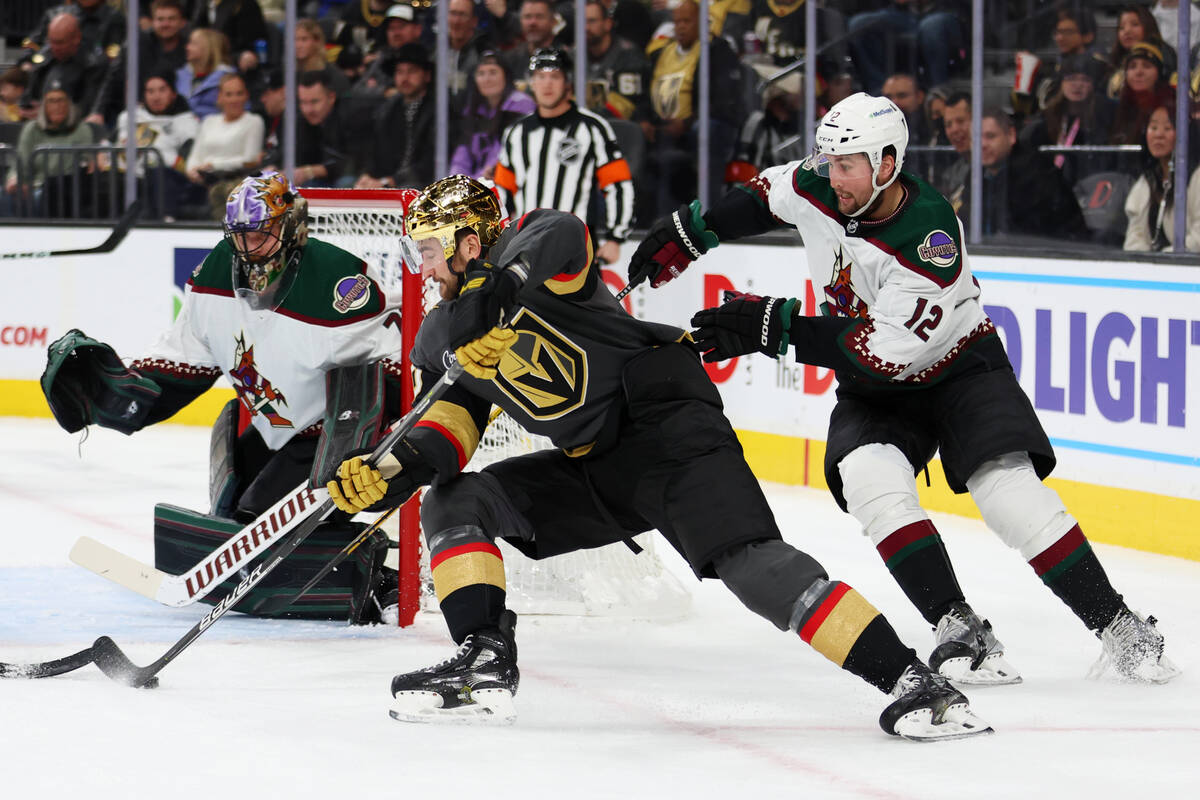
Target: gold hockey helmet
<point x="447" y="206"/>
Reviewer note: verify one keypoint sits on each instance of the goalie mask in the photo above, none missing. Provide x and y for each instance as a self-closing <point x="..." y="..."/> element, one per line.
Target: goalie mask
<point x="862" y="124"/>
<point x="453" y="204"/>
<point x="266" y="226"/>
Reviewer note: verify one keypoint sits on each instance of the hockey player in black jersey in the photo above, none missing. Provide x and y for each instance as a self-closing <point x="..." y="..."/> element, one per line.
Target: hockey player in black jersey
<point x="642" y="443"/>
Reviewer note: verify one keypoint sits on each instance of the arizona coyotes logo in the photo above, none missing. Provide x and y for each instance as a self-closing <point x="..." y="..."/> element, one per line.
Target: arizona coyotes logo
<point x="255" y="392"/>
<point x="840" y="294"/>
<point x="545" y="373"/>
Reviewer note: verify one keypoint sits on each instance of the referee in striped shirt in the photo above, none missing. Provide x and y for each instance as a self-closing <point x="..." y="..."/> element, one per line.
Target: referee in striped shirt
<point x="558" y="156"/>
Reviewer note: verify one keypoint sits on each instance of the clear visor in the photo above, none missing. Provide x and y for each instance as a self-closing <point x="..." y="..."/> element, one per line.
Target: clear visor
<point x="431" y="252"/>
<point x="410" y="254"/>
<point x="846" y="167"/>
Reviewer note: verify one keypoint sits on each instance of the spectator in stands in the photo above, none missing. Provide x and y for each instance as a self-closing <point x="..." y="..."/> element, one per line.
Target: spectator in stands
<point x="240" y="20"/>
<point x="1036" y="83"/>
<point x="12" y="87"/>
<point x="1023" y="194"/>
<point x="671" y="131"/>
<point x="102" y="28"/>
<point x="538" y="21"/>
<point x="165" y="123"/>
<point x="466" y="42"/>
<point x="270" y="106"/>
<point x="364" y="24"/>
<point x="1150" y="205"/>
<point x="782" y="23"/>
<point x="1135" y="24"/>
<point x="401" y="154"/>
<point x="951" y="179"/>
<point x="1166" y="14"/>
<point x="1077" y="114"/>
<point x="323" y="148"/>
<point x="492" y="104"/>
<point x="228" y="145"/>
<point x="1146" y="87"/>
<point x="199" y="80"/>
<point x="903" y="90"/>
<point x="162" y="47"/>
<point x="939" y="38"/>
<point x="400" y="27"/>
<point x="310" y="55"/>
<point x="78" y="72"/>
<point x="618" y="64"/>
<point x="350" y="63"/>
<point x="58" y="123"/>
<point x="770" y="135"/>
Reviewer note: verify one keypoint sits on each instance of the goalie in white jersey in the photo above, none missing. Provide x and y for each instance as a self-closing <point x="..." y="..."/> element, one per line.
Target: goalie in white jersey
<point x="920" y="369"/>
<point x="299" y="328"/>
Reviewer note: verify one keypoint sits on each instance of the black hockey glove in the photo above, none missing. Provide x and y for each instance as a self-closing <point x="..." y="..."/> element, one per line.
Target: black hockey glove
<point x="360" y="487"/>
<point x="745" y="323"/>
<point x="671" y="244"/>
<point x="487" y="295"/>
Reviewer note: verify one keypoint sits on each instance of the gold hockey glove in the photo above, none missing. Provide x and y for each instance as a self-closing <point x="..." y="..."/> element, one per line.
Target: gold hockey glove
<point x="481" y="356"/>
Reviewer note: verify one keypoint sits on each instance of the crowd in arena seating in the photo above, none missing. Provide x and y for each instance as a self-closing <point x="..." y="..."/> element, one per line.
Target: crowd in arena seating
<point x="1077" y="143"/>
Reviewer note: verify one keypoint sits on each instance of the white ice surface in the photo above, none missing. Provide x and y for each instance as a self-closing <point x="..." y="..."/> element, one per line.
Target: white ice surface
<point x="719" y="705"/>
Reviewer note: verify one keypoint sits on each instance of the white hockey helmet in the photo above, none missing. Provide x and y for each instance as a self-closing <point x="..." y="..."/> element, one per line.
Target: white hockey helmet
<point x="862" y="124"/>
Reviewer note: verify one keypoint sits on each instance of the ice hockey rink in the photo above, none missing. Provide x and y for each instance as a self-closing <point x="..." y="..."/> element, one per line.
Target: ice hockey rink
<point x="718" y="704"/>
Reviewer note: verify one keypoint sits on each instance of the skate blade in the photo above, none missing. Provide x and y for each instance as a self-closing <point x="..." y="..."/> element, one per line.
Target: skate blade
<point x="490" y="707"/>
<point x="958" y="722"/>
<point x="994" y="671"/>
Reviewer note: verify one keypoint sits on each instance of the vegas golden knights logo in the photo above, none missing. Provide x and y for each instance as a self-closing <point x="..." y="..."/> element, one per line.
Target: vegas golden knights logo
<point x="545" y="373"/>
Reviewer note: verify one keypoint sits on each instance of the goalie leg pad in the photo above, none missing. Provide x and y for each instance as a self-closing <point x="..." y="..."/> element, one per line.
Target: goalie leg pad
<point x="183" y="537"/>
<point x="222" y="461"/>
<point x="354" y="411"/>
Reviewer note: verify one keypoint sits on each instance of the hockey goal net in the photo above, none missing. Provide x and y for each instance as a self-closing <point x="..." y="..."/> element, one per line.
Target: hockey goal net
<point x="607" y="581"/>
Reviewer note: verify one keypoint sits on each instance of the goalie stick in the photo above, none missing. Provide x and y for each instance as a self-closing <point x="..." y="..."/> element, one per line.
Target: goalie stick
<point x="107" y="246"/>
<point x="116" y="665"/>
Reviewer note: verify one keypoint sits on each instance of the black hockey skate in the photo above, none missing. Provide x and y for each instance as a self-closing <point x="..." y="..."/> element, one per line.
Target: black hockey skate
<point x="927" y="708"/>
<point x="966" y="650"/>
<point x="1133" y="647"/>
<point x="476" y="684"/>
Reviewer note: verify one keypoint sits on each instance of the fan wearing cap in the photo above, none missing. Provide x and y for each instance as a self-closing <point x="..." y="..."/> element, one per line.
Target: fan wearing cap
<point x="920" y="370"/>
<point x="560" y="155"/>
<point x="401" y="154"/>
<point x="400" y="27"/>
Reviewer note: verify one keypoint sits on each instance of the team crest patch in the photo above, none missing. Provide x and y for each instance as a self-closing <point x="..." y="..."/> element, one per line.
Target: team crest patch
<point x="568" y="151"/>
<point x="938" y="249"/>
<point x="351" y="292"/>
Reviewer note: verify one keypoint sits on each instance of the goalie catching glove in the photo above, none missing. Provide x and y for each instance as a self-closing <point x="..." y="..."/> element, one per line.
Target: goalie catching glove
<point x="85" y="382"/>
<point x="488" y="293"/>
<point x="481" y="356"/>
<point x="745" y="323"/>
<point x="361" y="487"/>
<point x="671" y="244"/>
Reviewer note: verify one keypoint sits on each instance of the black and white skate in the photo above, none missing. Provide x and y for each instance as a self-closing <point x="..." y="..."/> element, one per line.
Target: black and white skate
<point x="966" y="650"/>
<point x="476" y="684"/>
<point x="1133" y="647"/>
<point x="928" y="709"/>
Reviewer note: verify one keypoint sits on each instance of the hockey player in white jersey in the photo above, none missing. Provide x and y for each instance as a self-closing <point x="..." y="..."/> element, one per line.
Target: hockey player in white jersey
<point x="920" y="369"/>
<point x="276" y="313"/>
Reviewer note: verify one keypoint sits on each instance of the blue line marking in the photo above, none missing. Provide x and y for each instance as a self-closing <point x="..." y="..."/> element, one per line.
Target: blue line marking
<point x="1128" y="452"/>
<point x="1079" y="280"/>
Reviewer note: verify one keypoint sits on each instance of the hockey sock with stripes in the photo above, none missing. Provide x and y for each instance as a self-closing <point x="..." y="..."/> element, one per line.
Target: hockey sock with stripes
<point x="468" y="578"/>
<point x="841" y="625"/>
<point x="1072" y="571"/>
<point x="917" y="559"/>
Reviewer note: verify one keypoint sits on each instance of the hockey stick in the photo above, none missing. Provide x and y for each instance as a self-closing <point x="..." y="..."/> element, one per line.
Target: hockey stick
<point x="107" y="246"/>
<point x="273" y="604"/>
<point x="269" y="527"/>
<point x="116" y="665"/>
<point x="47" y="669"/>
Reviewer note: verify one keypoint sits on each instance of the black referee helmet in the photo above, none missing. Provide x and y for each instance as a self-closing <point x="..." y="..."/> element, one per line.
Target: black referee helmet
<point x="550" y="58"/>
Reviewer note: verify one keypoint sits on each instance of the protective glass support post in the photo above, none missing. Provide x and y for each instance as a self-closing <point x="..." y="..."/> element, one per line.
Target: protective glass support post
<point x="976" y="224"/>
<point x="289" y="84"/>
<point x="131" y="98"/>
<point x="704" y="108"/>
<point x="441" y="82"/>
<point x="1182" y="127"/>
<point x="581" y="53"/>
<point x="810" y="76"/>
